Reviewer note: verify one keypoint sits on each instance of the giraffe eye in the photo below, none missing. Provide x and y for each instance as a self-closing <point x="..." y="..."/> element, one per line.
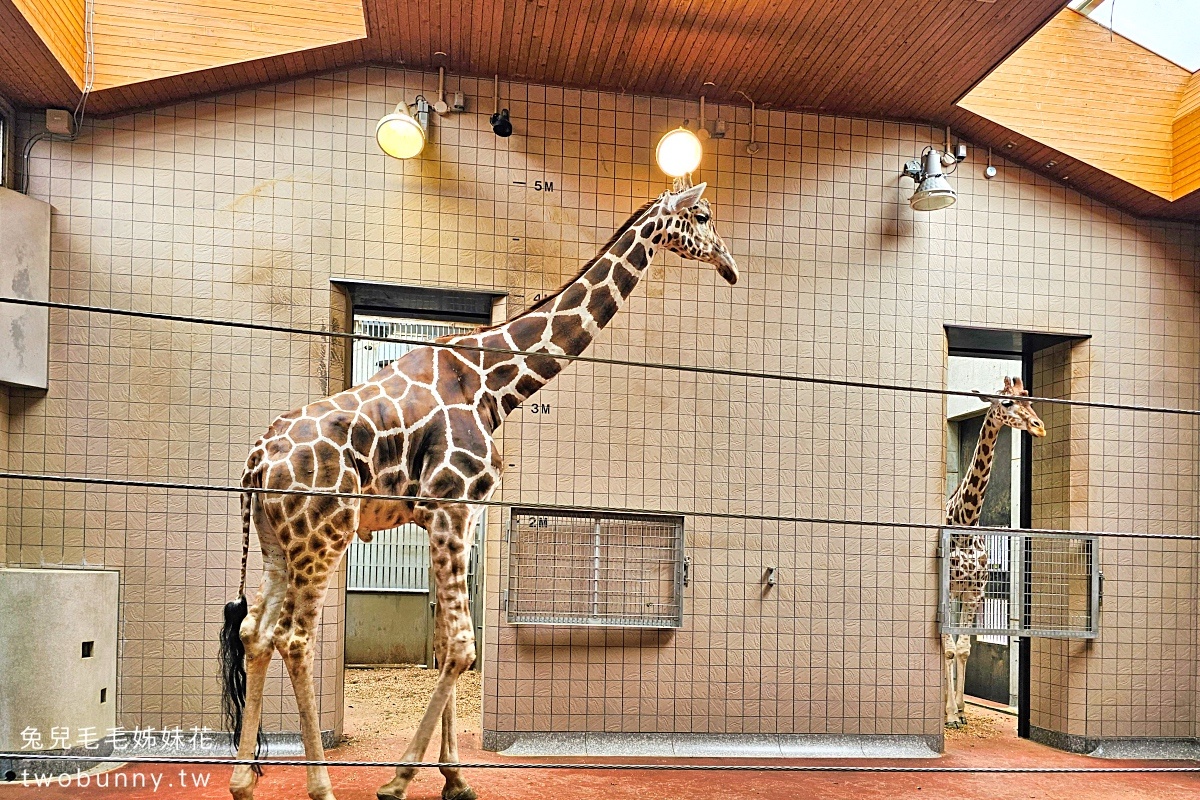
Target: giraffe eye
<point x="702" y="218"/>
<point x="1006" y="403"/>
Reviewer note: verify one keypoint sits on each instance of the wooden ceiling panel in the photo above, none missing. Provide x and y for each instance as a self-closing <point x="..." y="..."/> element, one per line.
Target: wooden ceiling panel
<point x="1050" y="92"/>
<point x="60" y="24"/>
<point x="30" y="74"/>
<point x="884" y="59"/>
<point x="142" y="40"/>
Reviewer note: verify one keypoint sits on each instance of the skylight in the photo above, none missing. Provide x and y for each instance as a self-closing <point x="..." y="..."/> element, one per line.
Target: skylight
<point x="1170" y="28"/>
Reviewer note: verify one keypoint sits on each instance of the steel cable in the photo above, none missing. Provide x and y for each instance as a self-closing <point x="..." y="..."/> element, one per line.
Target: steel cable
<point x="686" y="368"/>
<point x="208" y="487"/>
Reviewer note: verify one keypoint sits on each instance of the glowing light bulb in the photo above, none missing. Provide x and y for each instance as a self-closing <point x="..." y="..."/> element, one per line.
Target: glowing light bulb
<point x="679" y="152"/>
<point x="399" y="134"/>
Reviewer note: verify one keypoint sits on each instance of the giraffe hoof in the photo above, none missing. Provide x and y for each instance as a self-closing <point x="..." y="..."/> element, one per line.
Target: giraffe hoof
<point x="463" y="792"/>
<point x="954" y="724"/>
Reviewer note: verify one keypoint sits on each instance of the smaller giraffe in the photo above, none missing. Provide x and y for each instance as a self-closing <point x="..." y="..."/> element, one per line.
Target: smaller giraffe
<point x="968" y="552"/>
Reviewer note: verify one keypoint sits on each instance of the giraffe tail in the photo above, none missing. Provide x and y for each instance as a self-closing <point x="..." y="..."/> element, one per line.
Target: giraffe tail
<point x="232" y="652"/>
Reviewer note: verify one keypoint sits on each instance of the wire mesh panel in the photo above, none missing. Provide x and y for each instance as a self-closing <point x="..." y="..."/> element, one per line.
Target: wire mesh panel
<point x="1037" y="584"/>
<point x="568" y="568"/>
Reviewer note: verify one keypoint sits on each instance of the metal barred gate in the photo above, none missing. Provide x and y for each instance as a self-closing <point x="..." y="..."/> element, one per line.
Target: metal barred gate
<point x="1039" y="584"/>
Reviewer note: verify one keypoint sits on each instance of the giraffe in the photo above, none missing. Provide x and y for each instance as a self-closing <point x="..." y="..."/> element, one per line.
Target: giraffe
<point x="968" y="552"/>
<point x="422" y="426"/>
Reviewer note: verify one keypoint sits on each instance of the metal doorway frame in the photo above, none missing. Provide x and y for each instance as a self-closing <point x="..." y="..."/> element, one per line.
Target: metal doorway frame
<point x="967" y="340"/>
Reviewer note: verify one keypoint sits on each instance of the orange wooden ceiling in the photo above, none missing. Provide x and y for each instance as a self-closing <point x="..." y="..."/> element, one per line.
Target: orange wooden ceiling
<point x="888" y="59"/>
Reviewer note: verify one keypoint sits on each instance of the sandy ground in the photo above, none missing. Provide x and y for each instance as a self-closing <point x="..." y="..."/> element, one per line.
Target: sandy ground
<point x="381" y="703"/>
<point x="982" y="723"/>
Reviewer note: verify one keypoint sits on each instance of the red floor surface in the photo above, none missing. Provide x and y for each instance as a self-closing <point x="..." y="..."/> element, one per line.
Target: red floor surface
<point x="360" y="784"/>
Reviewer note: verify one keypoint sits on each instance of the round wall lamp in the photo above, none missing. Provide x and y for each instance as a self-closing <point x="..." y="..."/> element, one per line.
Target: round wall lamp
<point x="401" y="134"/>
<point x="678" y="152"/>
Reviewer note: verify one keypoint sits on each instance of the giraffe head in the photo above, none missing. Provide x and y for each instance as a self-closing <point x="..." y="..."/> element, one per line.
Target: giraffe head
<point x="1016" y="412"/>
<point x="690" y="233"/>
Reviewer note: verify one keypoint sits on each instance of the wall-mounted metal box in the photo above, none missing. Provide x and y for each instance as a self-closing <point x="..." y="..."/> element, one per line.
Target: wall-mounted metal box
<point x="25" y="274"/>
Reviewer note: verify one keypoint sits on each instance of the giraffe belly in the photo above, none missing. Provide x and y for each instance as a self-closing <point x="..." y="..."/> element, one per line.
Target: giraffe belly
<point x="380" y="515"/>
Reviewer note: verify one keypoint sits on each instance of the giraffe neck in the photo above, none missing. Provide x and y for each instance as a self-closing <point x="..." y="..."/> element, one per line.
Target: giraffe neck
<point x="966" y="505"/>
<point x="568" y="321"/>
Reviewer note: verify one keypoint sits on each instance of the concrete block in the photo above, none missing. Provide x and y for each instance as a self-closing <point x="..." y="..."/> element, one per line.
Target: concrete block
<point x="24" y="273"/>
<point x="58" y="656"/>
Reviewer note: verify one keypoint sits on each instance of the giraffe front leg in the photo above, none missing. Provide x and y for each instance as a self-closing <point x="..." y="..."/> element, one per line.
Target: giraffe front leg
<point x="948" y="652"/>
<point x="962" y="649"/>
<point x="449" y="544"/>
<point x="456" y="787"/>
<point x="962" y="652"/>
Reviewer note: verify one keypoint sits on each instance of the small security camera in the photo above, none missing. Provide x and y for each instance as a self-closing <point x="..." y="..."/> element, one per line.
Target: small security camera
<point x="460" y="102"/>
<point x="501" y="124"/>
<point x="960" y="152"/>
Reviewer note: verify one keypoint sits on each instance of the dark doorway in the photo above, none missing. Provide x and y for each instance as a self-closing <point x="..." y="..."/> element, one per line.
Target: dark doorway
<point x="998" y="669"/>
<point x="390" y="600"/>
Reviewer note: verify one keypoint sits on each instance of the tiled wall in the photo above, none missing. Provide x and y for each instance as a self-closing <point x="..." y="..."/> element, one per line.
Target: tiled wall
<point x="244" y="207"/>
<point x="1121" y="471"/>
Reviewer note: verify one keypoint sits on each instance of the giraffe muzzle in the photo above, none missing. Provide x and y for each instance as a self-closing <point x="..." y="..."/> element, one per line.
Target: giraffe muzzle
<point x="727" y="268"/>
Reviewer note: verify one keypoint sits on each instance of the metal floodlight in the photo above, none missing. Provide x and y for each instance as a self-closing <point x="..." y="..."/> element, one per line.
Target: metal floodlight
<point x="933" y="190"/>
<point x="501" y="123"/>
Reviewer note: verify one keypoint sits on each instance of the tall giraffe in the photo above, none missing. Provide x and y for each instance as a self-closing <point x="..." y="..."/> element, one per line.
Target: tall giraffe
<point x="968" y="552"/>
<point x="422" y="426"/>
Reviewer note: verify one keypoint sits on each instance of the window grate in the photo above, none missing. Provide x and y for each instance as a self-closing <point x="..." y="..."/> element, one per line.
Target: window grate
<point x="583" y="568"/>
<point x="1039" y="584"/>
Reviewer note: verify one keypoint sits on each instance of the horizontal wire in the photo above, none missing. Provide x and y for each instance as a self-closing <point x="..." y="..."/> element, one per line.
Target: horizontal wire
<point x="687" y="368"/>
<point x="725" y="767"/>
<point x="209" y="487"/>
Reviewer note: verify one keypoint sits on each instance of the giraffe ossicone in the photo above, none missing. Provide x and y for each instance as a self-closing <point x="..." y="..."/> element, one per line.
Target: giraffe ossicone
<point x="968" y="552"/>
<point x="422" y="427"/>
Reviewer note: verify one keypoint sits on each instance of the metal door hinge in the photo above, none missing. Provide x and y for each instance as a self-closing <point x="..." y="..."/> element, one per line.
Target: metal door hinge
<point x="687" y="571"/>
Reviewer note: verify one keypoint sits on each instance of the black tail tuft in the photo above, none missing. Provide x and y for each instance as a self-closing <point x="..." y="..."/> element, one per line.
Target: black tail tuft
<point x="232" y="657"/>
<point x="233" y="667"/>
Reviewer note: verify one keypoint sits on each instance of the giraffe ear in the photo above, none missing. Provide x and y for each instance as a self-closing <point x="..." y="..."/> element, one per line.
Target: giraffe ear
<point x="687" y="198"/>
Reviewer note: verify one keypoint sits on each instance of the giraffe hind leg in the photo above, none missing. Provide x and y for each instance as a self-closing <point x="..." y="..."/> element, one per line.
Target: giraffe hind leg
<point x="294" y="638"/>
<point x="257" y="633"/>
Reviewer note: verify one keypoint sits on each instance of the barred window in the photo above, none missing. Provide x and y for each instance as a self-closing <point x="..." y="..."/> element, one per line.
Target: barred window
<point x="585" y="568"/>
